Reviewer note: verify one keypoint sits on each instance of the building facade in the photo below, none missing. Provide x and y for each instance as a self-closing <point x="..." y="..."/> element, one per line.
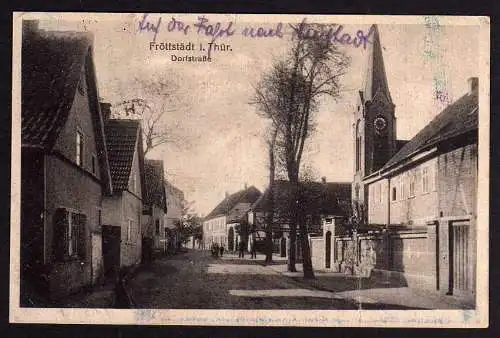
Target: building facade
<point x="420" y="193"/>
<point x="155" y="208"/>
<point x="220" y="225"/>
<point x="64" y="166"/>
<point x="176" y="205"/>
<point x="123" y="209"/>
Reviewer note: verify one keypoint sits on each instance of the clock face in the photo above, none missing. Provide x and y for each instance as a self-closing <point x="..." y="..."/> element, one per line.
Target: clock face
<point x="380" y="124"/>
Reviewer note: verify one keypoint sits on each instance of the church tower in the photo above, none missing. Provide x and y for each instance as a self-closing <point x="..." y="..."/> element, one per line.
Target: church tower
<point x="374" y="127"/>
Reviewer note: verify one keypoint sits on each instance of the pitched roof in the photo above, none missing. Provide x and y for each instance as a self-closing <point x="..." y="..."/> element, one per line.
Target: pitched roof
<point x="249" y="195"/>
<point x="458" y="118"/>
<point x="316" y="197"/>
<point x="122" y="137"/>
<point x="51" y="66"/>
<point x="375" y="76"/>
<point x="172" y="189"/>
<point x="155" y="184"/>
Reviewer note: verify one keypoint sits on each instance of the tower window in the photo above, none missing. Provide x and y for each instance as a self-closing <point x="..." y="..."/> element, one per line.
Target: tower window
<point x="79" y="148"/>
<point x="94" y="164"/>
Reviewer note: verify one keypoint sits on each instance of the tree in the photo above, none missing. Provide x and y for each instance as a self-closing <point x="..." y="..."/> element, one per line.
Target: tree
<point x="189" y="224"/>
<point x="244" y="229"/>
<point x="289" y="94"/>
<point x="270" y="213"/>
<point x="151" y="101"/>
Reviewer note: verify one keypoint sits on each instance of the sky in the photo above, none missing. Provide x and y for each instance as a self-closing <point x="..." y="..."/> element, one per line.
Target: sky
<point x="222" y="138"/>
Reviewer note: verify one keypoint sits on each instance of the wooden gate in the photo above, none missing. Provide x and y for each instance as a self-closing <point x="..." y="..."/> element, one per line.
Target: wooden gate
<point x="460" y="269"/>
<point x="328" y="250"/>
<point x="111" y="238"/>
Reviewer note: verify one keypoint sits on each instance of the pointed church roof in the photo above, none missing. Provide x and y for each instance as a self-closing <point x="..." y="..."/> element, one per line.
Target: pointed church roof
<point x="375" y="76"/>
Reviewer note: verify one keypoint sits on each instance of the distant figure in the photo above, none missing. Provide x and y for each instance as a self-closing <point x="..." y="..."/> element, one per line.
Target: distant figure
<point x="215" y="250"/>
<point x="221" y="250"/>
<point x="254" y="250"/>
<point x="241" y="250"/>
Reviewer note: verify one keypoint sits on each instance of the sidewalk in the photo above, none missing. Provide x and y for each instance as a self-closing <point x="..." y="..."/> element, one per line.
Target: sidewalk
<point x="369" y="293"/>
<point x="101" y="296"/>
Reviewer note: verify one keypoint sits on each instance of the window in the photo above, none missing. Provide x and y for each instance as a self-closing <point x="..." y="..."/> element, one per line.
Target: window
<point x="129" y="230"/>
<point x="358" y="147"/>
<point x="412" y="184"/>
<point x="79" y="148"/>
<point x="94" y="164"/>
<point x="425" y="180"/>
<point x="432" y="182"/>
<point x="394" y="194"/>
<point x="401" y="187"/>
<point x="133" y="182"/>
<point x="157" y="227"/>
<point x="69" y="234"/>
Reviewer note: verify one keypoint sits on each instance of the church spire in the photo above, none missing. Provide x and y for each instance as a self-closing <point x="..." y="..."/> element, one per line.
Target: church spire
<point x="375" y="76"/>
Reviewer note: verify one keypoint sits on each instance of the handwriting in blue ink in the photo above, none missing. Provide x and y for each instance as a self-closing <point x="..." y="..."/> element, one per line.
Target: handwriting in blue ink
<point x="145" y="25"/>
<point x="262" y="32"/>
<point x="334" y="34"/>
<point x="215" y="31"/>
<point x="177" y="26"/>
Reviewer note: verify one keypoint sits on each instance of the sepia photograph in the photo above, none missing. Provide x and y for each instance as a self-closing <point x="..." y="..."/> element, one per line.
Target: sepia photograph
<point x="250" y="170"/>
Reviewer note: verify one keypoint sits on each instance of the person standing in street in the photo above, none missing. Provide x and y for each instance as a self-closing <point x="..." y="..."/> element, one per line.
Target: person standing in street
<point x="253" y="250"/>
<point x="241" y="250"/>
<point x="221" y="250"/>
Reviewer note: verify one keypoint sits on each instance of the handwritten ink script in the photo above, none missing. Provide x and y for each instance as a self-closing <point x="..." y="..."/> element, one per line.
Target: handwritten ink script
<point x="203" y="26"/>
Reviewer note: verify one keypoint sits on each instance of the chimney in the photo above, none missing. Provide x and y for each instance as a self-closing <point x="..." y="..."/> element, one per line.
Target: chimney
<point x="323" y="179"/>
<point x="473" y="85"/>
<point x="106" y="110"/>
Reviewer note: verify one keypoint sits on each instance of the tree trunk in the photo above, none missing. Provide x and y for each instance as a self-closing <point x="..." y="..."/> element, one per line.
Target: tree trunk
<point x="270" y="214"/>
<point x="306" y="251"/>
<point x="294" y="219"/>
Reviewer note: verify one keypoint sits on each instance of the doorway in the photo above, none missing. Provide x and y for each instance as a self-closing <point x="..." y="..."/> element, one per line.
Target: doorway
<point x="460" y="279"/>
<point x="328" y="250"/>
<point x="111" y="238"/>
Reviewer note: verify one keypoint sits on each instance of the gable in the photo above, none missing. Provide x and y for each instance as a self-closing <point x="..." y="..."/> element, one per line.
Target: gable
<point x="125" y="153"/>
<point x="134" y="182"/>
<point x="53" y="65"/>
<point x="79" y="120"/>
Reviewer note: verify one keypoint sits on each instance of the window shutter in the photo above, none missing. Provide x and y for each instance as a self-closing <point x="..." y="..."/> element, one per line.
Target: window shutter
<point x="60" y="238"/>
<point x="82" y="240"/>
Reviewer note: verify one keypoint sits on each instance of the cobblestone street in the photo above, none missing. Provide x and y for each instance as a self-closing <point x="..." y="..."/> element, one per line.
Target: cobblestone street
<point x="196" y="280"/>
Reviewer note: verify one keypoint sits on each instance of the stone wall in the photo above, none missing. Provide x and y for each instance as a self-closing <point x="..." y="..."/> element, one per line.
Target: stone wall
<point x="317" y="245"/>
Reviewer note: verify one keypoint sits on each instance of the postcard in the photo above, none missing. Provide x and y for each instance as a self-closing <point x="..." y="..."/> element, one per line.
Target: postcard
<point x="250" y="170"/>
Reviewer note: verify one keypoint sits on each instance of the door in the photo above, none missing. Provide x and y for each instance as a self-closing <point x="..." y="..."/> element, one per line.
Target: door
<point x="460" y="267"/>
<point x="328" y="250"/>
<point x="230" y="239"/>
<point x="111" y="238"/>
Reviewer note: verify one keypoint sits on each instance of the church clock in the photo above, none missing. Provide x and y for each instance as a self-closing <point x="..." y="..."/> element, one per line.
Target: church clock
<point x="380" y="125"/>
